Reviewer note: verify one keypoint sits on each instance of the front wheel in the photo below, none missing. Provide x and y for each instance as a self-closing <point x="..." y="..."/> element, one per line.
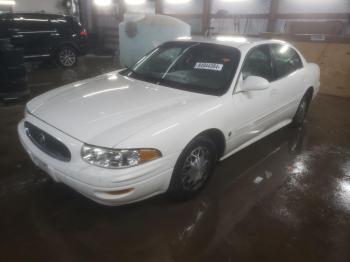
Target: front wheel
<point x="67" y="56"/>
<point x="300" y="115"/>
<point x="193" y="168"/>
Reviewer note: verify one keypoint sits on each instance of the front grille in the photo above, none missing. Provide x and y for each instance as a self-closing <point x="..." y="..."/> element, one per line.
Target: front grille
<point x="47" y="143"/>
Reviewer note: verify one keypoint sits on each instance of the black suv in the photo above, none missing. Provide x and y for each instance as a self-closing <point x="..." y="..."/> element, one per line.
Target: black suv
<point x="43" y="36"/>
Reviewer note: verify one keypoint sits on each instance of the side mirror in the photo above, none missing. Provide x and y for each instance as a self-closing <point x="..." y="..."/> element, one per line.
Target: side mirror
<point x="252" y="83"/>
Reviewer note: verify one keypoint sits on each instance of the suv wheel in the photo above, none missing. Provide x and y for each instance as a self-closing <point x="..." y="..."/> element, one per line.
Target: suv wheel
<point x="193" y="168"/>
<point x="67" y="56"/>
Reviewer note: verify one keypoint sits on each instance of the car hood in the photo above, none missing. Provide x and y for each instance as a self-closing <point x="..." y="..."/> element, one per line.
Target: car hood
<point x="110" y="107"/>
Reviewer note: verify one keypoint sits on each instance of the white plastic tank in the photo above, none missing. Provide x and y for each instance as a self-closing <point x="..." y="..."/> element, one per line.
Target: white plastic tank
<point x="141" y="33"/>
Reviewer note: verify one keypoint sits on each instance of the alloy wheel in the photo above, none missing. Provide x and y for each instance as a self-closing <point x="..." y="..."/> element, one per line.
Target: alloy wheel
<point x="195" y="168"/>
<point x="67" y="57"/>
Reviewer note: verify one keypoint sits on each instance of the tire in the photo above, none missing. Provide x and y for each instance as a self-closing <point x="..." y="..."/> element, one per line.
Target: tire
<point x="300" y="115"/>
<point x="67" y="57"/>
<point x="188" y="178"/>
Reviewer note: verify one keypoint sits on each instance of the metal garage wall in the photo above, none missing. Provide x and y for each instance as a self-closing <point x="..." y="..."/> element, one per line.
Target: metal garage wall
<point x="236" y="25"/>
<point x="312" y="6"/>
<point x="334" y="61"/>
<point x="48" y="6"/>
<point x="107" y="27"/>
<point x="191" y="7"/>
<point x="256" y="26"/>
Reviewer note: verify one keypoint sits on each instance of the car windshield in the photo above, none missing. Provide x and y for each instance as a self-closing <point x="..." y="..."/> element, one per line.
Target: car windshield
<point x="196" y="67"/>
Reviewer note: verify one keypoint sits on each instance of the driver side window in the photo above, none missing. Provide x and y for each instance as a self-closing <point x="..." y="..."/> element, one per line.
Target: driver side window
<point x="258" y="63"/>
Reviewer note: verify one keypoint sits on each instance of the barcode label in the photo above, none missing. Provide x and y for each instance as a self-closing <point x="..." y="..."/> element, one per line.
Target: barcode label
<point x="209" y="66"/>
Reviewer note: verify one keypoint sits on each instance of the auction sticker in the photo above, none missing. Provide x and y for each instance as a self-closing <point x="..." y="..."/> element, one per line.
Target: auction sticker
<point x="209" y="66"/>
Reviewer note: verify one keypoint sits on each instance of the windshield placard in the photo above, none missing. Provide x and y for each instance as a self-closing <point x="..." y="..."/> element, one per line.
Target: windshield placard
<point x="209" y="66"/>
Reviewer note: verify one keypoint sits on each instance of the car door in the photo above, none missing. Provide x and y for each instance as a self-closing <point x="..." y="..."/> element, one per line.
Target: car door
<point x="252" y="110"/>
<point x="288" y="84"/>
<point x="32" y="32"/>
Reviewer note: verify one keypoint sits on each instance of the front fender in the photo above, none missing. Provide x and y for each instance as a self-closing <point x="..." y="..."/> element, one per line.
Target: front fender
<point x="173" y="135"/>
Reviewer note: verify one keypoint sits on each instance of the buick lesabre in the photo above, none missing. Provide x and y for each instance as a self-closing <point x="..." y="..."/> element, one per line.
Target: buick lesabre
<point x="161" y="125"/>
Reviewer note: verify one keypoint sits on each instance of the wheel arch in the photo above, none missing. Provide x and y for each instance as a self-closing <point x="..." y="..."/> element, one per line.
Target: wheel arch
<point x="217" y="136"/>
<point x="63" y="44"/>
<point x="310" y="92"/>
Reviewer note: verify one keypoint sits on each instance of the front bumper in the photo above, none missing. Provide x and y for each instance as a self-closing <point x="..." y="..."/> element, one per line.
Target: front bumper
<point x="99" y="184"/>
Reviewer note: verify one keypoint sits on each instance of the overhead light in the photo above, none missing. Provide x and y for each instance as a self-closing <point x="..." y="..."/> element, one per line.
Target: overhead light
<point x="184" y="38"/>
<point x="103" y="2"/>
<point x="7" y="2"/>
<point x="177" y="1"/>
<point x="233" y="0"/>
<point x="134" y="2"/>
<point x="232" y="39"/>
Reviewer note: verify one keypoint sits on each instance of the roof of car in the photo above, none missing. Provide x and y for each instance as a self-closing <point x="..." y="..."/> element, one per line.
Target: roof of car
<point x="237" y="41"/>
<point x="34" y="13"/>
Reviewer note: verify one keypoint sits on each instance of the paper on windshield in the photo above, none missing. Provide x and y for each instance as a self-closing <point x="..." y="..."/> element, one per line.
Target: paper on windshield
<point x="209" y="66"/>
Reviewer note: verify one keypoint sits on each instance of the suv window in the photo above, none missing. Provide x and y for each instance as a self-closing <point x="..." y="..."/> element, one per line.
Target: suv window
<point x="68" y="24"/>
<point x="286" y="60"/>
<point x="258" y="63"/>
<point x="5" y="24"/>
<point x="31" y="22"/>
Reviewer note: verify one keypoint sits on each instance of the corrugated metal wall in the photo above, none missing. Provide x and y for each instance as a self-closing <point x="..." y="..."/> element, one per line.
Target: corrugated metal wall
<point x="48" y="6"/>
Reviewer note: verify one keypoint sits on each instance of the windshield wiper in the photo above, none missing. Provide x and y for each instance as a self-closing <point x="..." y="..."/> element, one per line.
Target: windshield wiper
<point x="131" y="70"/>
<point x="143" y="77"/>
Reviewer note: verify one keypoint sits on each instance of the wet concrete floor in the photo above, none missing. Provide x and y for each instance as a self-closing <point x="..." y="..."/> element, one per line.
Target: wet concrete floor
<point x="285" y="198"/>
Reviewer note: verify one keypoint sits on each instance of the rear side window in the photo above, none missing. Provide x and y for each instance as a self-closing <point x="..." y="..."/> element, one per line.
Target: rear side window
<point x="5" y="24"/>
<point x="258" y="63"/>
<point x="31" y="23"/>
<point x="67" y="24"/>
<point x="286" y="60"/>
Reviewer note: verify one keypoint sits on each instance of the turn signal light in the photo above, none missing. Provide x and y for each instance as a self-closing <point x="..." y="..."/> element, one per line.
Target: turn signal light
<point x="148" y="155"/>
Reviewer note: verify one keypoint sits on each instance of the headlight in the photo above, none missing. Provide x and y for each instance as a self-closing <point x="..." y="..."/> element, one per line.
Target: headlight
<point x="117" y="158"/>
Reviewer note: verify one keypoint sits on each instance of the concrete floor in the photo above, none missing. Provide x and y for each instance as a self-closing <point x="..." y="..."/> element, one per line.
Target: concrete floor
<point x="285" y="198"/>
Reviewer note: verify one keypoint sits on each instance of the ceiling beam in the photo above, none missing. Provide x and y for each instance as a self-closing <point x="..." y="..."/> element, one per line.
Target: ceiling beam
<point x="309" y="16"/>
<point x="206" y="15"/>
<point x="159" y="6"/>
<point x="274" y="5"/>
<point x="243" y="16"/>
<point x="121" y="9"/>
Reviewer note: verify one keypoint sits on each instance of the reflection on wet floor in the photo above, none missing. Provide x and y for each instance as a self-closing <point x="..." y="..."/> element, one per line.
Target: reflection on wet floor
<point x="54" y="76"/>
<point x="285" y="198"/>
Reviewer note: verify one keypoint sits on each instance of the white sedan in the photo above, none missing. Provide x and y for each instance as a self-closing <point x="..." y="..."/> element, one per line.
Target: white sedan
<point x="161" y="125"/>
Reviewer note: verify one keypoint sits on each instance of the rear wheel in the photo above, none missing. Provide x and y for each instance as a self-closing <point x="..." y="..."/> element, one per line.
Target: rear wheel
<point x="300" y="115"/>
<point x="67" y="56"/>
<point x="193" y="168"/>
